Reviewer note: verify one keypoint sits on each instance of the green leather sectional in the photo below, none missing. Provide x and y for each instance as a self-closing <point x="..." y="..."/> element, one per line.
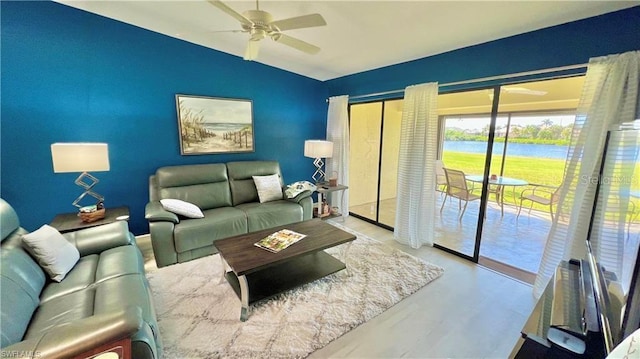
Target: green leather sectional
<point x="104" y="298"/>
<point x="227" y="196"/>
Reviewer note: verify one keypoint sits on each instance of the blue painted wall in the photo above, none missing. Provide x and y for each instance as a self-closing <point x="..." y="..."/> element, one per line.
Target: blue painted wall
<point x="567" y="44"/>
<point x="68" y="75"/>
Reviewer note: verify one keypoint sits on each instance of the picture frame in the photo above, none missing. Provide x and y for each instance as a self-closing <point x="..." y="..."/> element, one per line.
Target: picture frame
<point x="213" y="125"/>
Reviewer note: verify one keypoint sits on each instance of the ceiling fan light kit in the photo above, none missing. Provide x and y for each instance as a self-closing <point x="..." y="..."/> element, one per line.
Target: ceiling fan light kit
<point x="259" y="24"/>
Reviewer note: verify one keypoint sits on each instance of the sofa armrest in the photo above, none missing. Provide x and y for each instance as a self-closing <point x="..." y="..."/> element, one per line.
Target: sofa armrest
<point x="155" y="212"/>
<point x="80" y="336"/>
<point x="300" y="196"/>
<point x="100" y="238"/>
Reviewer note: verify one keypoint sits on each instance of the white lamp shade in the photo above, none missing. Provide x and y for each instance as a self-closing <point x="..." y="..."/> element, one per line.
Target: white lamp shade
<point x="318" y="149"/>
<point x="80" y="157"/>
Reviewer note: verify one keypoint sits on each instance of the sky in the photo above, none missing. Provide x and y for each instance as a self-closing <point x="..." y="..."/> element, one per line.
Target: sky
<point x="220" y="110"/>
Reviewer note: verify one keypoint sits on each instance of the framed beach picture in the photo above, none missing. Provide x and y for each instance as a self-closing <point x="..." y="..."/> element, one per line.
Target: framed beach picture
<point x="209" y="125"/>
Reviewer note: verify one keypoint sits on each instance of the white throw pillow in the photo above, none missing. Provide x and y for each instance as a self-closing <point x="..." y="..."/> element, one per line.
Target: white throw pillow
<point x="268" y="187"/>
<point x="182" y="208"/>
<point x="52" y="251"/>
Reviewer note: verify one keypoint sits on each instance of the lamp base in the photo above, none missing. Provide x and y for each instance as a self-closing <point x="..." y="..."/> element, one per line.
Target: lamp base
<point x="319" y="173"/>
<point x="80" y="181"/>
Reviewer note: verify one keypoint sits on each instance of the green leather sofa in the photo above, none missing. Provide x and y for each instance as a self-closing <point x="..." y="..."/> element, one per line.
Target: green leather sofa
<point x="228" y="198"/>
<point x="103" y="299"/>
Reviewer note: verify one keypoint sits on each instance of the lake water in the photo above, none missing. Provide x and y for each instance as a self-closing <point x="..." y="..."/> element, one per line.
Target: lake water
<point x="513" y="149"/>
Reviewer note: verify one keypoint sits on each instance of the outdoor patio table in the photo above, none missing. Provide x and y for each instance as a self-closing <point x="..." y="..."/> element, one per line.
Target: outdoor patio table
<point x="501" y="182"/>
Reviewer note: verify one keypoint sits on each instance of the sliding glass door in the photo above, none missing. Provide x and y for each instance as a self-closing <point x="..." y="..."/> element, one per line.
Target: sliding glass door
<point x="364" y="162"/>
<point x="375" y="142"/>
<point x="465" y="121"/>
<point x="533" y="131"/>
<point x="503" y="149"/>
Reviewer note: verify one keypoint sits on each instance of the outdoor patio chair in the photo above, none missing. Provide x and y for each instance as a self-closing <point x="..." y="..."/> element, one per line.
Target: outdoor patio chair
<point x="457" y="188"/>
<point x="441" y="177"/>
<point x="541" y="194"/>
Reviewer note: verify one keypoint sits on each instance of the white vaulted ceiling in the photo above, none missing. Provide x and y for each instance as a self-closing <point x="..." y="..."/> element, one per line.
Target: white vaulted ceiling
<point x="360" y="35"/>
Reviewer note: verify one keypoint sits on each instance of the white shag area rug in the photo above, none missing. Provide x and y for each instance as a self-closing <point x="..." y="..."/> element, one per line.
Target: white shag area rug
<point x="199" y="317"/>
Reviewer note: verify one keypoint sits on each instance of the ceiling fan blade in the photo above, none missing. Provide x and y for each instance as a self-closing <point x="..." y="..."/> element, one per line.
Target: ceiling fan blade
<point x="222" y="6"/>
<point x="299" y="22"/>
<point x="295" y="43"/>
<point x="251" y="52"/>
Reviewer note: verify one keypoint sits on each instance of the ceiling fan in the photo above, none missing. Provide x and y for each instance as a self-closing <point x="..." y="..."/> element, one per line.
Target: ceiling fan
<point x="259" y="24"/>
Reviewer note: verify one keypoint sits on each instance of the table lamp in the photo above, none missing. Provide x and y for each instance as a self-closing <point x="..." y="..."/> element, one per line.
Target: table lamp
<point x="318" y="149"/>
<point x="81" y="157"/>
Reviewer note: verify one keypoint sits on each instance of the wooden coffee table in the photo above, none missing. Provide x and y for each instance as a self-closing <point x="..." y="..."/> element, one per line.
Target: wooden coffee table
<point x="256" y="274"/>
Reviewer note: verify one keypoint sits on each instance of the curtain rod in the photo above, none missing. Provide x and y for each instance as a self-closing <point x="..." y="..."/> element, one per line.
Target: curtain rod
<point x="483" y="79"/>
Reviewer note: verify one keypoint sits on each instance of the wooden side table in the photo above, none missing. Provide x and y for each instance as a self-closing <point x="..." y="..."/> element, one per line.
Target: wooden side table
<point x="326" y="189"/>
<point x="69" y="222"/>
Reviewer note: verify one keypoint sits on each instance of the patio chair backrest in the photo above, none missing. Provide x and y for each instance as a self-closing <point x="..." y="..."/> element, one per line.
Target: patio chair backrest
<point x="441" y="177"/>
<point x="555" y="196"/>
<point x="439" y="168"/>
<point x="456" y="180"/>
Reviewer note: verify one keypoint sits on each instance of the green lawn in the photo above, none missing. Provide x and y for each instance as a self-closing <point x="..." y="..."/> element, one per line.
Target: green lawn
<point x="533" y="170"/>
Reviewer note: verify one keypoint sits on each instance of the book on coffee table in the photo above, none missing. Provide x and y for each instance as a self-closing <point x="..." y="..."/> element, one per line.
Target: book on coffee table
<point x="279" y="240"/>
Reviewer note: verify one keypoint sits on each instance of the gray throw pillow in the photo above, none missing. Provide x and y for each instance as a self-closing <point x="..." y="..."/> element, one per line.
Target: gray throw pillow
<point x="52" y="251"/>
<point x="268" y="187"/>
<point x="182" y="208"/>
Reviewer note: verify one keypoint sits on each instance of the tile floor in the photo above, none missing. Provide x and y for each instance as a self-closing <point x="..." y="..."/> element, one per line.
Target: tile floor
<point x="515" y="241"/>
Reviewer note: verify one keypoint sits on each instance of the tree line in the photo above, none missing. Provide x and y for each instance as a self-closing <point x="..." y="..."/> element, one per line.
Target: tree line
<point x="545" y="133"/>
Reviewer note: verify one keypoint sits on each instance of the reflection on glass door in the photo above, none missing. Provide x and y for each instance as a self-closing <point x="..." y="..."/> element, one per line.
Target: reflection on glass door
<point x="364" y="131"/>
<point x="375" y="144"/>
<point x="389" y="163"/>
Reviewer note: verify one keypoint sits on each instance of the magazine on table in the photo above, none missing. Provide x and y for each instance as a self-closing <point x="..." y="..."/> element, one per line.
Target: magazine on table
<point x="279" y="240"/>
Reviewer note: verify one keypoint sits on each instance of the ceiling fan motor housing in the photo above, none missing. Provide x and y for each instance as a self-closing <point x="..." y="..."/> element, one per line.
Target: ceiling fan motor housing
<point x="261" y="19"/>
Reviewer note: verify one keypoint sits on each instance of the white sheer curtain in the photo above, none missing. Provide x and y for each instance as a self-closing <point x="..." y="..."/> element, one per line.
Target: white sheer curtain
<point x="415" y="206"/>
<point x="338" y="133"/>
<point x="609" y="98"/>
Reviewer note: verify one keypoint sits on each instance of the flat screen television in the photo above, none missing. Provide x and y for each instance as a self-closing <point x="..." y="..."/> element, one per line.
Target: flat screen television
<point x="614" y="238"/>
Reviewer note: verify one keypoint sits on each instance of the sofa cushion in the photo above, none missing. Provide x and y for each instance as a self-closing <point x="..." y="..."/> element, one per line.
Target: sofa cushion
<point x="243" y="188"/>
<point x="271" y="214"/>
<point x="206" y="186"/>
<point x="119" y="261"/>
<point x="52" y="251"/>
<point x="217" y="223"/>
<point x="268" y="187"/>
<point x="81" y="277"/>
<point x="97" y="268"/>
<point x="61" y="310"/>
<point x="181" y="207"/>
